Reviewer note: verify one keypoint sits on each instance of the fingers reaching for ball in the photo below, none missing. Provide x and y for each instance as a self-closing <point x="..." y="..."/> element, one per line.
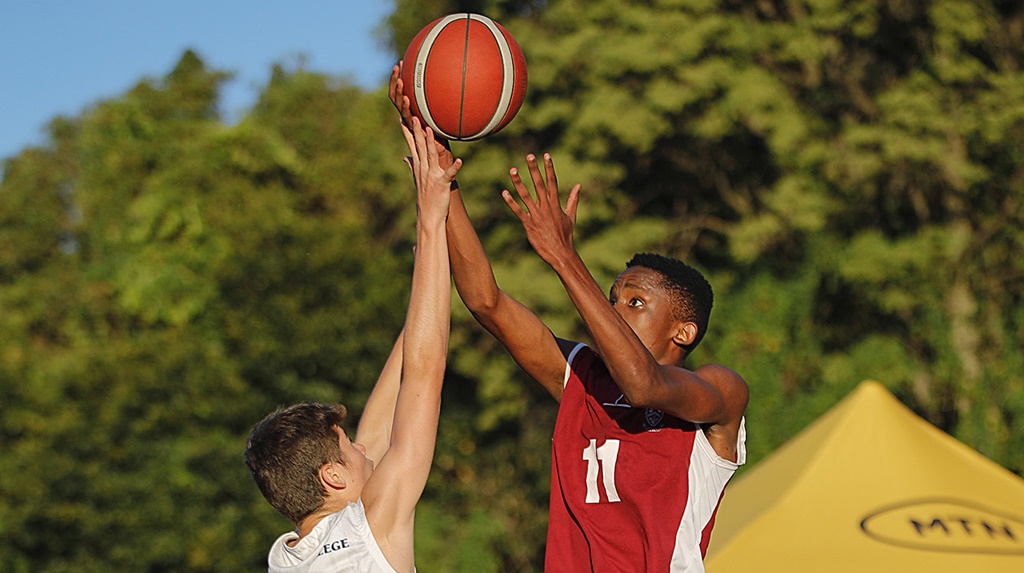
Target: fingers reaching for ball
<point x="433" y="180"/>
<point x="396" y="93"/>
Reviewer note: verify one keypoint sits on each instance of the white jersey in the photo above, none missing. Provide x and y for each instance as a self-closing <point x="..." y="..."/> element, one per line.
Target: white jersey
<point x="341" y="543"/>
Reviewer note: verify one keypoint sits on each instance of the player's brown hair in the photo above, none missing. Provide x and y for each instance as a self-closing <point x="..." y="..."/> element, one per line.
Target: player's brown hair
<point x="285" y="452"/>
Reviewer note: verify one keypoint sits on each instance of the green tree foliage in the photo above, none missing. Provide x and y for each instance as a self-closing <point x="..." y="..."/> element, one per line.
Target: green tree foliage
<point x="850" y="176"/>
<point x="166" y="281"/>
<point x="857" y="164"/>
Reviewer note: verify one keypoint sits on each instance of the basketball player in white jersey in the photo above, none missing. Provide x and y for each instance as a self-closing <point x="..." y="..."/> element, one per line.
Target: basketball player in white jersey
<point x="353" y="502"/>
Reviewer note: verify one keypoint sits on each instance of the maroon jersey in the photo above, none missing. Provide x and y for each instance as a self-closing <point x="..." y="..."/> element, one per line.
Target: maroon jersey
<point x="632" y="489"/>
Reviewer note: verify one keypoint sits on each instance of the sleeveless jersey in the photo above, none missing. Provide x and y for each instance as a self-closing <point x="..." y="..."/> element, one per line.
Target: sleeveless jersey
<point x="341" y="543"/>
<point x="632" y="489"/>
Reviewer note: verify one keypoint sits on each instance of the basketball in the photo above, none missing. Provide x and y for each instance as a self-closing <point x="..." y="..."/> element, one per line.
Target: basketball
<point x="465" y="76"/>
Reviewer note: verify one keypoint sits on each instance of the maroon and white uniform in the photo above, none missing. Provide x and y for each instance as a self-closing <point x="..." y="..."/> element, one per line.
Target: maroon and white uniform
<point x="632" y="489"/>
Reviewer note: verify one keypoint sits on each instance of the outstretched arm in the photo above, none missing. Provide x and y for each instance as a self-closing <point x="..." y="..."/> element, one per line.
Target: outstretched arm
<point x="374" y="431"/>
<point x="391" y="493"/>
<point x="712" y="395"/>
<point x="528" y="340"/>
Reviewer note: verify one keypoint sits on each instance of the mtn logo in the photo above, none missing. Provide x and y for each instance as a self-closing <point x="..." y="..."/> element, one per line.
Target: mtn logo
<point x="946" y="525"/>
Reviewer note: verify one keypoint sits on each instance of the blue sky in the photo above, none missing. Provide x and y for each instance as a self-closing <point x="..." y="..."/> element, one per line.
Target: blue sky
<point x="57" y="57"/>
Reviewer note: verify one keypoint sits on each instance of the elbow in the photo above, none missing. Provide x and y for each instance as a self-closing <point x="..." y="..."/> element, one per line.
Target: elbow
<point x="641" y="398"/>
<point x="640" y="389"/>
<point x="650" y="388"/>
<point x="482" y="303"/>
<point x="478" y="291"/>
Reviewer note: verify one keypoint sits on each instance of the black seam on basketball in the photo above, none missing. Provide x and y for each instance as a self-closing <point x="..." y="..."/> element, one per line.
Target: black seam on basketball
<point x="465" y="55"/>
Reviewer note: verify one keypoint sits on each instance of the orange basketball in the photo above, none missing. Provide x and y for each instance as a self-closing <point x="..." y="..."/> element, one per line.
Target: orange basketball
<point x="465" y="76"/>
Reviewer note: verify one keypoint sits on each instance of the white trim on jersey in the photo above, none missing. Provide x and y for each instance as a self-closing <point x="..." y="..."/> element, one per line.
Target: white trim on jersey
<point x="568" y="363"/>
<point x="709" y="473"/>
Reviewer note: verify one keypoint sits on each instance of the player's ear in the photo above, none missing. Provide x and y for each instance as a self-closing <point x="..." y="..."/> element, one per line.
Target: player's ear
<point x="686" y="333"/>
<point x="332" y="476"/>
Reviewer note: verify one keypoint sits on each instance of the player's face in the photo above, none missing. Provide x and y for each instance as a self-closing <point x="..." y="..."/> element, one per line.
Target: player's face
<point x="356" y="462"/>
<point x="639" y="298"/>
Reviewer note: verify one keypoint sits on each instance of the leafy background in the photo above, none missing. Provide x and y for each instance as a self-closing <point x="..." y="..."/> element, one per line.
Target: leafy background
<point x="850" y="175"/>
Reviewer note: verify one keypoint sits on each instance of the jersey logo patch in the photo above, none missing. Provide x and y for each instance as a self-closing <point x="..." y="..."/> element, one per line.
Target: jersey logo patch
<point x="653" y="418"/>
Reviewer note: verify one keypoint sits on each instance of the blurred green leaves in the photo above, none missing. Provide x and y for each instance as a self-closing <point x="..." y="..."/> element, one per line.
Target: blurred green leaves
<point x="849" y="176"/>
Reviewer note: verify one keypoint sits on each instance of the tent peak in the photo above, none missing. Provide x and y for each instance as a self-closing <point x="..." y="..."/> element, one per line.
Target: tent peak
<point x="872" y="394"/>
<point x="870" y="386"/>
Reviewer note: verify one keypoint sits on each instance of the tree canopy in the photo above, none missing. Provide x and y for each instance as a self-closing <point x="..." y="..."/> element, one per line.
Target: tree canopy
<point x="850" y="176"/>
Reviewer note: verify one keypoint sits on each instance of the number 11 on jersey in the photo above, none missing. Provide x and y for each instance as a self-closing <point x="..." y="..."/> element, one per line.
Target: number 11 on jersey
<point x="606" y="455"/>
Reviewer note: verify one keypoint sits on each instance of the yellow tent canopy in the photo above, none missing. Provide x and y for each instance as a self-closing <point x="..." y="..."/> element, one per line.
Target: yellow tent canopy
<point x="871" y="487"/>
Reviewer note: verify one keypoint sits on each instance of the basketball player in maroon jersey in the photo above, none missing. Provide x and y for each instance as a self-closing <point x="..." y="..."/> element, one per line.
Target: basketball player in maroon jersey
<point x="643" y="447"/>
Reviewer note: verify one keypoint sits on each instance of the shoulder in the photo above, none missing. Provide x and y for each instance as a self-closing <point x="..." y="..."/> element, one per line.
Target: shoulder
<point x="582" y="361"/>
<point x="726" y="433"/>
<point x="729" y="383"/>
<point x="577" y="356"/>
<point x="349" y="518"/>
<point x="721" y="376"/>
<point x="569" y="348"/>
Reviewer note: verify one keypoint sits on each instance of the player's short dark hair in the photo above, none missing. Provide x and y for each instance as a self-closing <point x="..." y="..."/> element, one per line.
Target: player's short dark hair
<point x="285" y="452"/>
<point x="690" y="291"/>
